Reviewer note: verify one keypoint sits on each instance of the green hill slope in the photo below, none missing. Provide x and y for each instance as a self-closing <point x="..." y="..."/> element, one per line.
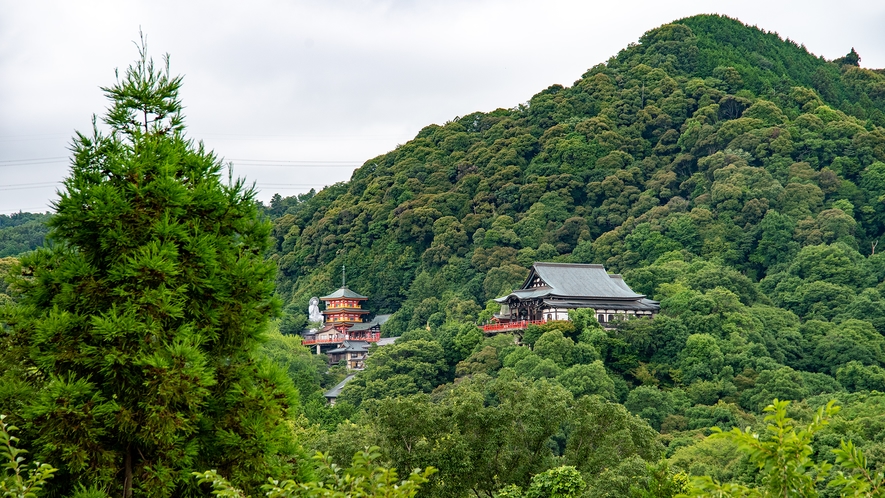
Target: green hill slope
<point x="22" y="232"/>
<point x="708" y="139"/>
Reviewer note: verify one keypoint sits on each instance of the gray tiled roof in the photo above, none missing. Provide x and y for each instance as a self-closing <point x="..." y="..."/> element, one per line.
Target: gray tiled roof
<point x="378" y="320"/>
<point x="351" y="347"/>
<point x="567" y="280"/>
<point x="336" y="391"/>
<point x="344" y="292"/>
<point x="597" y="304"/>
<point x="386" y="341"/>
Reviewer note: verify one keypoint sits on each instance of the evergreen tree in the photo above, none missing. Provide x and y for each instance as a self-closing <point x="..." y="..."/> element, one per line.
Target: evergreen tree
<point x="851" y="58"/>
<point x="138" y="327"/>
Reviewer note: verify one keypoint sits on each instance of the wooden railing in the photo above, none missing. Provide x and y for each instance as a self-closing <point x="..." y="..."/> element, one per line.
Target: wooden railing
<point x="505" y="327"/>
<point x="339" y="338"/>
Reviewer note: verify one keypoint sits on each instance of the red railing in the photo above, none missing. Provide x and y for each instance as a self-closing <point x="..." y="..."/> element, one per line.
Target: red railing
<point x="339" y="338"/>
<point x="504" y="327"/>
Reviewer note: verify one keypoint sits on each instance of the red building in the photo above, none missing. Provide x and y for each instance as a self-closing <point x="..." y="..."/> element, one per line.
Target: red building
<point x="343" y="309"/>
<point x="344" y="319"/>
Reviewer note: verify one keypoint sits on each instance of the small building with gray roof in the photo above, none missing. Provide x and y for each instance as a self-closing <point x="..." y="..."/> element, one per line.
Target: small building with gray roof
<point x="332" y="394"/>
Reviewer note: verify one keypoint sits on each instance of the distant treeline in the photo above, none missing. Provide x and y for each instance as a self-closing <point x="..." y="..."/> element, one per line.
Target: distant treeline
<point x="22" y="232"/>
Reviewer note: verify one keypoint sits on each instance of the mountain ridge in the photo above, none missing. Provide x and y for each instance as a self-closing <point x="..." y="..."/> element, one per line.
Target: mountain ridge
<point x="567" y="175"/>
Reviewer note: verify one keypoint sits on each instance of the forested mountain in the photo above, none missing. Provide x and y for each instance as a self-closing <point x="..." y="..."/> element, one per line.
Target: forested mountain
<point x="726" y="172"/>
<point x="716" y="140"/>
<point x="21" y="232"/>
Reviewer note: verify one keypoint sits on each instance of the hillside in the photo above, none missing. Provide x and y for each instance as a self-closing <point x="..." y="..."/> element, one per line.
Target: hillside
<point x="22" y="232"/>
<point x="726" y="172"/>
<point x="717" y="140"/>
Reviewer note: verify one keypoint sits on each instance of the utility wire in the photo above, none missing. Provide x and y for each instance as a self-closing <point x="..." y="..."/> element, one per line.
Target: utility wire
<point x="286" y="186"/>
<point x="31" y="162"/>
<point x="292" y="184"/>
<point x="273" y="163"/>
<point x="26" y="186"/>
<point x="18" y="186"/>
<point x="26" y="138"/>
<point x="294" y="167"/>
<point x="33" y="159"/>
<point x="293" y="161"/>
<point x="243" y="162"/>
<point x="219" y="136"/>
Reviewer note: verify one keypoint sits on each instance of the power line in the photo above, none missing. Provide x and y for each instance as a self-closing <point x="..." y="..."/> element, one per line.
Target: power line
<point x="240" y="164"/>
<point x="33" y="159"/>
<point x="27" y="138"/>
<point x="286" y="188"/>
<point x="277" y="163"/>
<point x="292" y="184"/>
<point x="39" y="163"/>
<point x="31" y="162"/>
<point x="300" y="165"/>
<point x="26" y="186"/>
<point x="36" y="135"/>
<point x="235" y="136"/>
<point x="48" y="184"/>
<point x="295" y="161"/>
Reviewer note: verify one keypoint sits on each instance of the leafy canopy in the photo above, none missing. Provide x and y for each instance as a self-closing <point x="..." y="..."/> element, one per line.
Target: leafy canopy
<point x="134" y="334"/>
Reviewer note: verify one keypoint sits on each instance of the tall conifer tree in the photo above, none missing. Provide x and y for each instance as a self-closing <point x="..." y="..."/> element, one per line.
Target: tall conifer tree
<point x="139" y="325"/>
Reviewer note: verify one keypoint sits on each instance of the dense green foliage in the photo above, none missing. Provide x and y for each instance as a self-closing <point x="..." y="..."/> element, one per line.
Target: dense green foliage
<point x="783" y="454"/>
<point x="129" y="354"/>
<point x="707" y="137"/>
<point x="363" y="479"/>
<point x="6" y="264"/>
<point x="22" y="232"/>
<point x="17" y="481"/>
<point x="724" y="171"/>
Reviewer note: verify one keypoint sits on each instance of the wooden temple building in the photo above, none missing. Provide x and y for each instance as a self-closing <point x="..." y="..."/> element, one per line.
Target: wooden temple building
<point x="354" y="353"/>
<point x="552" y="289"/>
<point x="345" y="334"/>
<point x="344" y="309"/>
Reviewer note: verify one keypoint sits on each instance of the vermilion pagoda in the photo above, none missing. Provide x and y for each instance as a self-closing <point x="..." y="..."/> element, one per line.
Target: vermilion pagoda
<point x="344" y="309"/>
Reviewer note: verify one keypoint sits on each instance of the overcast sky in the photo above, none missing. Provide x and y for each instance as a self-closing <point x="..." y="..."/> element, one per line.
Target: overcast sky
<point x="298" y="93"/>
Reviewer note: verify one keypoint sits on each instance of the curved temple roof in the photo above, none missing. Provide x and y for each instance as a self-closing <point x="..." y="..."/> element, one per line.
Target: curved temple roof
<point x="343" y="292"/>
<point x="567" y="280"/>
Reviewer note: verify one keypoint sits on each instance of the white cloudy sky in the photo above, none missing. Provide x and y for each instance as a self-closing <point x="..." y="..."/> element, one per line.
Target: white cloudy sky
<point x="297" y="93"/>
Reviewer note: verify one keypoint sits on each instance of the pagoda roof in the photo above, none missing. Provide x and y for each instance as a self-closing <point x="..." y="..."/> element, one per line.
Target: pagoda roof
<point x="568" y="281"/>
<point x="343" y="292"/>
<point x="337" y="311"/>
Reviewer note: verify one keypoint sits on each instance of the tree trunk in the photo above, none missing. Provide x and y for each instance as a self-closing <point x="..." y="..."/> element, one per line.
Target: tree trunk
<point x="127" y="481"/>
